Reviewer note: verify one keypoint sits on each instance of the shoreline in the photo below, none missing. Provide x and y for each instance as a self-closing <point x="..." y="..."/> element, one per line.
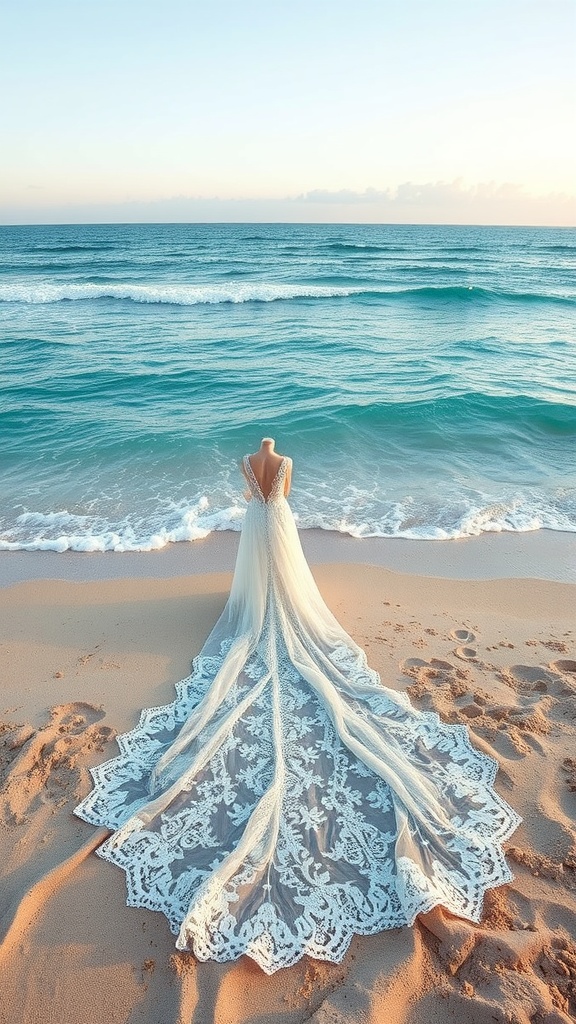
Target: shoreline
<point x="540" y="555"/>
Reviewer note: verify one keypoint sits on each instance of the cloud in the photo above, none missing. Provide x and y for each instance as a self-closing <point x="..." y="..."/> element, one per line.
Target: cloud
<point x="433" y="202"/>
<point x="435" y="193"/>
<point x="344" y="195"/>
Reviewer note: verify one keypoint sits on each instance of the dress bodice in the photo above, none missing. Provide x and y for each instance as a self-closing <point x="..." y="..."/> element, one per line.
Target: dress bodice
<point x="277" y="488"/>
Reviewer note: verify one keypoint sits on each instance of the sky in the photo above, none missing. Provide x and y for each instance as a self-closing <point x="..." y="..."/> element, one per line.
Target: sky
<point x="411" y="111"/>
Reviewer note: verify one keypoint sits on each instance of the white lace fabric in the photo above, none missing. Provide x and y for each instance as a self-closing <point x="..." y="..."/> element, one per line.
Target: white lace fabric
<point x="286" y="799"/>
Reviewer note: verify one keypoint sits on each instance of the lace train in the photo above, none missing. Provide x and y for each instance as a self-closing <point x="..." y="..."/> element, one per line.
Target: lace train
<point x="286" y="799"/>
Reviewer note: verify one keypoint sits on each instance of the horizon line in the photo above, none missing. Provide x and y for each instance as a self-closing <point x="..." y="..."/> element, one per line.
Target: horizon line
<point x="287" y="223"/>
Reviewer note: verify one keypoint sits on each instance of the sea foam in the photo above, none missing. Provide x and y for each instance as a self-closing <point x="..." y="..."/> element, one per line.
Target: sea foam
<point x="64" y="531"/>
<point x="174" y="294"/>
<point x="46" y="292"/>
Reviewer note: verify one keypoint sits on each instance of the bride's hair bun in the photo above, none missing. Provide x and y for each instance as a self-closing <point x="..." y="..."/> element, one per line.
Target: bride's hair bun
<point x="267" y="440"/>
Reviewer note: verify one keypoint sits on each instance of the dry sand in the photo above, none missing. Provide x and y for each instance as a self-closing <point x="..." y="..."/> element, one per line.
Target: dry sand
<point x="79" y="660"/>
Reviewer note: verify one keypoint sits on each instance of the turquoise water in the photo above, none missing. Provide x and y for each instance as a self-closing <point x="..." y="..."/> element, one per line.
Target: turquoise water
<point x="423" y="378"/>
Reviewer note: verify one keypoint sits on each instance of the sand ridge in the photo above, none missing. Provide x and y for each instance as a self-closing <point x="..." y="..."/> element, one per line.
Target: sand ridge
<point x="78" y="661"/>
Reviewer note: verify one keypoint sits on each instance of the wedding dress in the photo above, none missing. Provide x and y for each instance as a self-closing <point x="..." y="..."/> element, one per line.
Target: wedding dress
<point x="287" y="799"/>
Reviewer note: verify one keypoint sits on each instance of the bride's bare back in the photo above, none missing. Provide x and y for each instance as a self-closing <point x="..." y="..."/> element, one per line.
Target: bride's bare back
<point x="265" y="464"/>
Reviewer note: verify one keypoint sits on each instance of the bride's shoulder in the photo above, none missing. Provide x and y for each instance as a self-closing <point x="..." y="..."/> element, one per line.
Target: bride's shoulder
<point x="285" y="464"/>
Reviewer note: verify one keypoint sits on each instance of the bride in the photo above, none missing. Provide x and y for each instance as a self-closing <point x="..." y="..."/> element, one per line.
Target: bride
<point x="286" y="799"/>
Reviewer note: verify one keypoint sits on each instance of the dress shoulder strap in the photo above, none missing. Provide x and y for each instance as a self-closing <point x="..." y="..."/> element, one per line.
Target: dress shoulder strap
<point x="252" y="481"/>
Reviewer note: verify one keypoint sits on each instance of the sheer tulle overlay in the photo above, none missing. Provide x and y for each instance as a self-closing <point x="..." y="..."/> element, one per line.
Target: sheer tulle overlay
<point x="286" y="799"/>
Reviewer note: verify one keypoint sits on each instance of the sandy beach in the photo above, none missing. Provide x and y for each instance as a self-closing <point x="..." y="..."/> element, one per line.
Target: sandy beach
<point x="81" y="655"/>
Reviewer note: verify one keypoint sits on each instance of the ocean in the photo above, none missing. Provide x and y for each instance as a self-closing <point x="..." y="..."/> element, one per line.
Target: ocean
<point x="423" y="379"/>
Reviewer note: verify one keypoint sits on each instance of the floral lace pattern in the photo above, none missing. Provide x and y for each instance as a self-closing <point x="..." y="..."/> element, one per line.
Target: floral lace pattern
<point x="286" y="799"/>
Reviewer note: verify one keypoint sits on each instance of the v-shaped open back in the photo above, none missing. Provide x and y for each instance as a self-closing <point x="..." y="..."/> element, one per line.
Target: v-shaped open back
<point x="276" y="487"/>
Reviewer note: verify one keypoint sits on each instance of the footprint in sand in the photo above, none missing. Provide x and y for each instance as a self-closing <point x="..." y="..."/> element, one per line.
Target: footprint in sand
<point x="465" y="638"/>
<point x="471" y="711"/>
<point x="436" y="668"/>
<point x="557" y="679"/>
<point x="564" y="666"/>
<point x="466" y="653"/>
<point x="45" y="763"/>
